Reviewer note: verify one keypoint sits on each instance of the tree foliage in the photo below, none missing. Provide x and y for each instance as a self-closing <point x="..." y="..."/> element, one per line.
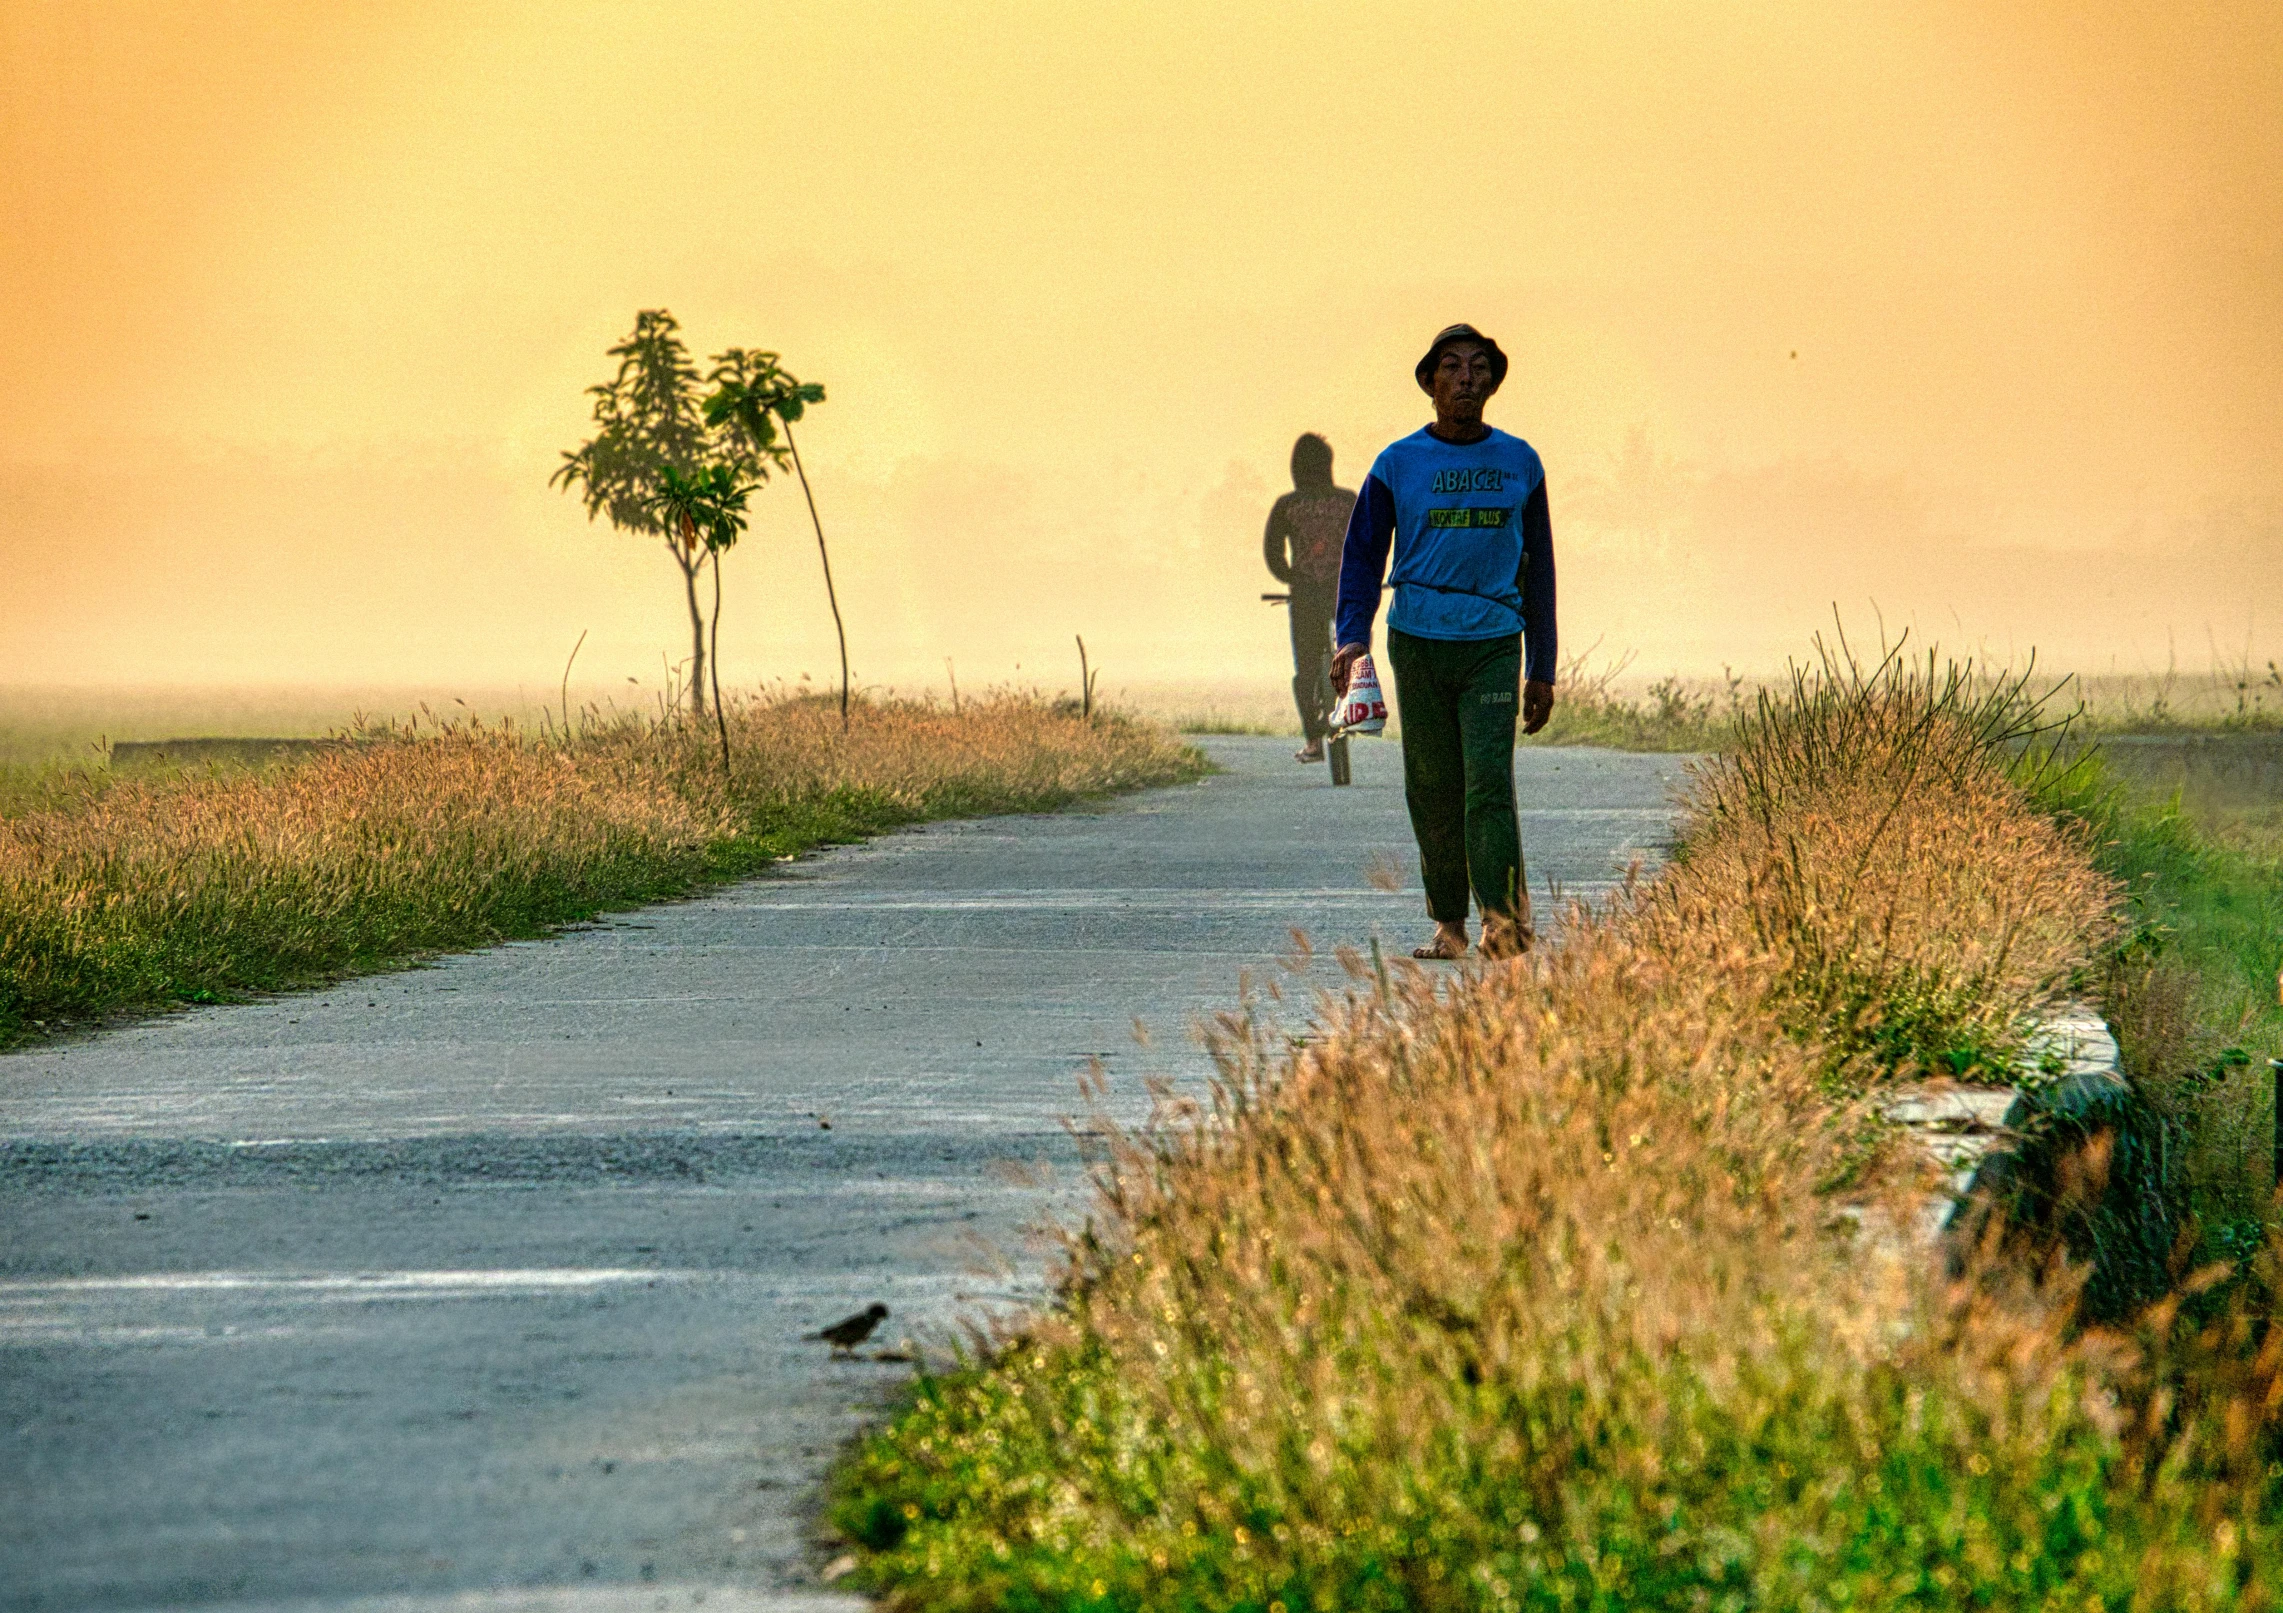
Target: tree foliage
<point x="752" y="392"/>
<point x="705" y="509"/>
<point x="647" y="419"/>
<point x="752" y="395"/>
<point x="668" y="462"/>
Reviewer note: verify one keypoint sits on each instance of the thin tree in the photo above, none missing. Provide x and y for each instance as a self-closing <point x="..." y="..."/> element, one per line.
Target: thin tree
<point x="707" y="509"/>
<point x="649" y="421"/>
<point x="753" y="396"/>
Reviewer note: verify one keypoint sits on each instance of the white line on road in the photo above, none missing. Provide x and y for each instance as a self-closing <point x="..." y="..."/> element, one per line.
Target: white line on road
<point x="332" y="1285"/>
<point x="574" y="1599"/>
<point x="147" y="1307"/>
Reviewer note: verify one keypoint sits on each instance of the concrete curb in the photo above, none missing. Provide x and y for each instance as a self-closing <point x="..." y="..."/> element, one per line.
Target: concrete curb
<point x="1966" y="1126"/>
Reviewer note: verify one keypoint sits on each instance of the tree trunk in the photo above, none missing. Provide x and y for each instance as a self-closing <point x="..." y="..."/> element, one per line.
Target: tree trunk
<point x="831" y="596"/>
<point x="720" y="716"/>
<point x="697" y="631"/>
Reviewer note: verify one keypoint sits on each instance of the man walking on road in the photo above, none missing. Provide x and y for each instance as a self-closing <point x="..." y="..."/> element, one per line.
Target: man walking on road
<point x="1302" y="548"/>
<point x="1465" y="508"/>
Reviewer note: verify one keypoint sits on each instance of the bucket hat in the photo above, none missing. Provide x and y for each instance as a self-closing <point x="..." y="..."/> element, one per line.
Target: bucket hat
<point x="1454" y="333"/>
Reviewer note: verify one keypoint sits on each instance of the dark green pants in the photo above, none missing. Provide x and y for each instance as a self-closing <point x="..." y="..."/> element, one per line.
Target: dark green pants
<point x="1457" y="699"/>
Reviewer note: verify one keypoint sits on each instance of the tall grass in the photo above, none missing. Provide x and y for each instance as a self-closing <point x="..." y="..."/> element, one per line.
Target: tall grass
<point x="1531" y="1289"/>
<point x="1869" y="830"/>
<point x="2234" y="695"/>
<point x="133" y="892"/>
<point x="1592" y="707"/>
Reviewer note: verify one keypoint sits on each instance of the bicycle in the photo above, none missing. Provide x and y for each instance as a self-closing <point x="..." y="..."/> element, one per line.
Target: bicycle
<point x="1335" y="742"/>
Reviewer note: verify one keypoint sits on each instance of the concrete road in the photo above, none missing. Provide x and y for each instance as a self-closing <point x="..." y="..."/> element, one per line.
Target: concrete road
<point x="484" y="1284"/>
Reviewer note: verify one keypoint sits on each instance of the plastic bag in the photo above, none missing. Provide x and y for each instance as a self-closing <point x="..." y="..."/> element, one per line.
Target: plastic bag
<point x="1362" y="710"/>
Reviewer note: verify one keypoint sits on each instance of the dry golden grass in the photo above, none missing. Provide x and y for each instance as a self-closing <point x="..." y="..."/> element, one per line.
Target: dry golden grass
<point x="1527" y="1289"/>
<point x="133" y="891"/>
<point x="1867" y="836"/>
<point x="1474" y="1229"/>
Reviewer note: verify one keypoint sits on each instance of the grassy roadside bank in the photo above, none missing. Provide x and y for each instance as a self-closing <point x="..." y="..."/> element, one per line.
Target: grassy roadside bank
<point x="1529" y="1289"/>
<point x="127" y="893"/>
<point x="2192" y="987"/>
<point x="2183" y="806"/>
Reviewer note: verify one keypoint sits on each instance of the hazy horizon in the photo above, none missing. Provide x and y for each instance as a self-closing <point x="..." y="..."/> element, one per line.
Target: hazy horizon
<point x="1969" y="318"/>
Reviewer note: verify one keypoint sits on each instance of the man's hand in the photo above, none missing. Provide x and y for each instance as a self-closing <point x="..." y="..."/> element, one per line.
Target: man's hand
<point x="1537" y="705"/>
<point x="1344" y="661"/>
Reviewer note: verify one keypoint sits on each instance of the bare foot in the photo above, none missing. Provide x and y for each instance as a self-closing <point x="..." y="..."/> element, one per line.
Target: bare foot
<point x="1504" y="938"/>
<point x="1448" y="946"/>
<point x="1313" y="751"/>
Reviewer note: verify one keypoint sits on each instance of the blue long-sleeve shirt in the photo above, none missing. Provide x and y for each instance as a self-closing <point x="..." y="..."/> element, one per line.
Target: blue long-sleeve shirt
<point x="1473" y="546"/>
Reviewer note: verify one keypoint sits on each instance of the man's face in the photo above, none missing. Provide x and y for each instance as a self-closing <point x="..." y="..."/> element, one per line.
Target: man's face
<point x="1461" y="381"/>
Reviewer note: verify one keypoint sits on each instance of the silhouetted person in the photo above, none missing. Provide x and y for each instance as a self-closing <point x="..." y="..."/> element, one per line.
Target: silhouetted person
<point x="1465" y="509"/>
<point x="1302" y="547"/>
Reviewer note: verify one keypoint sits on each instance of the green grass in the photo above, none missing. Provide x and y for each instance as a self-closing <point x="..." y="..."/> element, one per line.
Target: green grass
<point x="2214" y="902"/>
<point x="2193" y="837"/>
<point x="1888" y="1503"/>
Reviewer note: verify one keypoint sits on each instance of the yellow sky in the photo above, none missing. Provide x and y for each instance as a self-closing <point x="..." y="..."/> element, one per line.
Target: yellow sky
<point x="303" y="299"/>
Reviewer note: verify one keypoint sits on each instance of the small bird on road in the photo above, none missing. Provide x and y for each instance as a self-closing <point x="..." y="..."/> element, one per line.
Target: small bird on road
<point x="850" y="1331"/>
